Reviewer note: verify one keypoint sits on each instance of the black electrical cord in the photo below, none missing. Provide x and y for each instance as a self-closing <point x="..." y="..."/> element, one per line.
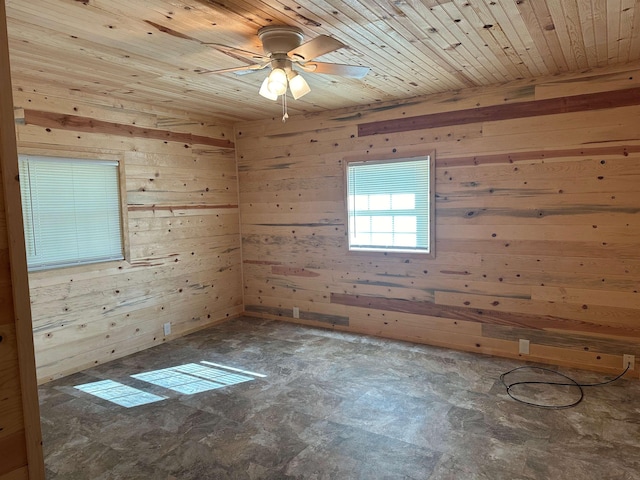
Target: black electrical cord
<point x="570" y="383"/>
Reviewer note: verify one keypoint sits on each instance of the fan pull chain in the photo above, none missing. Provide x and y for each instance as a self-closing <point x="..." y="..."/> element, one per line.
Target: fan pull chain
<point x="285" y="114"/>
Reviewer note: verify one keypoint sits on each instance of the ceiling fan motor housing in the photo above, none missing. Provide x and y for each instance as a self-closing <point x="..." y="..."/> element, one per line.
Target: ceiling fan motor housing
<point x="279" y="39"/>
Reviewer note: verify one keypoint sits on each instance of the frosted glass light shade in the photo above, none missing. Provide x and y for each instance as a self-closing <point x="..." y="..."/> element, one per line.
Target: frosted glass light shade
<point x="299" y="86"/>
<point x="277" y="82"/>
<point x="264" y="90"/>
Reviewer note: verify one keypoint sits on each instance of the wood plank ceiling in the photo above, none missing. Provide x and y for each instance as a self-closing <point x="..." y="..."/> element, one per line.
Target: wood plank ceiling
<point x="151" y="50"/>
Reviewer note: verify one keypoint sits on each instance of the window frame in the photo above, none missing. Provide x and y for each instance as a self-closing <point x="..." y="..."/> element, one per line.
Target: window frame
<point x="122" y="200"/>
<point x="394" y="158"/>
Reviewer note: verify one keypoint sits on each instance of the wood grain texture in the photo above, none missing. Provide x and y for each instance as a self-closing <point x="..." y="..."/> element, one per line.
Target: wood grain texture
<point x="151" y="52"/>
<point x="14" y="453"/>
<point x="19" y="474"/>
<point x="537" y="221"/>
<point x="20" y="433"/>
<point x="484" y="315"/>
<point x="321" y="318"/>
<point x="496" y="113"/>
<point x="183" y="264"/>
<point x="76" y="123"/>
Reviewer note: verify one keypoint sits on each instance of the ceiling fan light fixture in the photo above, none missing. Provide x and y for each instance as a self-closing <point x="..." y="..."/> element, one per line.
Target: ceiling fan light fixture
<point x="282" y="50"/>
<point x="298" y="85"/>
<point x="265" y="92"/>
<point x="277" y="82"/>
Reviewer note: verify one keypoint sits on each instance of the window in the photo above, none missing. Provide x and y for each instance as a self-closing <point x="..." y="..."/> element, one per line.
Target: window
<point x="71" y="211"/>
<point x="390" y="205"/>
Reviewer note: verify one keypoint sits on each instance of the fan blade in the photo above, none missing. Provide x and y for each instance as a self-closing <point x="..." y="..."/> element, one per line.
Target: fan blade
<point x="350" y="71"/>
<point x="314" y="48"/>
<point x="238" y="70"/>
<point x="237" y="53"/>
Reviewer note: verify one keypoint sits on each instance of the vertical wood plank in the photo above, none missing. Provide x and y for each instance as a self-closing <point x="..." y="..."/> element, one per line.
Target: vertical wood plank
<point x="19" y="278"/>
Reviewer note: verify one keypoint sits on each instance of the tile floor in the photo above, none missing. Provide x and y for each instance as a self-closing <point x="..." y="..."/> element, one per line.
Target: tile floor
<point x="334" y="406"/>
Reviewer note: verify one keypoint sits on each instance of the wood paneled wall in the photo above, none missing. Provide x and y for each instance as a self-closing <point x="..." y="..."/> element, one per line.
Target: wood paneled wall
<point x="182" y="238"/>
<point x="537" y="220"/>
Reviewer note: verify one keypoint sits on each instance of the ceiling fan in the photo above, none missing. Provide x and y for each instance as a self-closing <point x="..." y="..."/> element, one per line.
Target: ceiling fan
<point x="284" y="50"/>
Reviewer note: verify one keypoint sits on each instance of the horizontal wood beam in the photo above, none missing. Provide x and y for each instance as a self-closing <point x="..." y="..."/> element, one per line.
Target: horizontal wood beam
<point x="304" y="315"/>
<point x="90" y="125"/>
<point x="293" y="271"/>
<point x="538" y="322"/>
<point x="135" y="208"/>
<point x="461" y="161"/>
<point x="261" y="262"/>
<point x="534" y="108"/>
<point x="574" y="341"/>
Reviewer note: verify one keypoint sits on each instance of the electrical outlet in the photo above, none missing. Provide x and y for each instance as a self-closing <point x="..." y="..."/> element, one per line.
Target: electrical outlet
<point x="629" y="360"/>
<point x="523" y="347"/>
<point x="296" y="312"/>
<point x="167" y="328"/>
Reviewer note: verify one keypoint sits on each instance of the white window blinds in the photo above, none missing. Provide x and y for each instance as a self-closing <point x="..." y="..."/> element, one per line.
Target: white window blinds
<point x="71" y="210"/>
<point x="388" y="205"/>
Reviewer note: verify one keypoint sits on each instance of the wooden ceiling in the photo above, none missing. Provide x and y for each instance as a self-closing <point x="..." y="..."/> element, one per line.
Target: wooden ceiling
<point x="151" y="50"/>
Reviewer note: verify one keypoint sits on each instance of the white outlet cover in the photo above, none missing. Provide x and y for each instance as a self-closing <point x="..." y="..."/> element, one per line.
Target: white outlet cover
<point x="523" y="346"/>
<point x="629" y="359"/>
<point x="296" y="312"/>
<point x="167" y="328"/>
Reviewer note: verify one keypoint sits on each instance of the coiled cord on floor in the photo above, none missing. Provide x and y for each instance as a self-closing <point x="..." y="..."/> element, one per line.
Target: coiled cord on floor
<point x="569" y="383"/>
